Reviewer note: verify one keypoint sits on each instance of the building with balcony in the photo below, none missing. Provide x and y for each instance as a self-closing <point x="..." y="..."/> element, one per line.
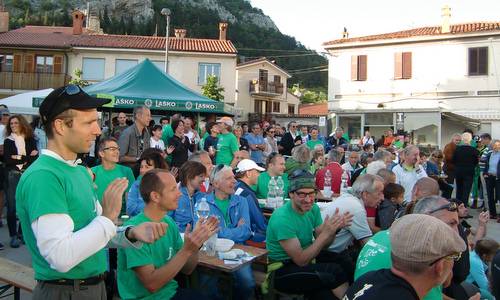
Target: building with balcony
<point x="430" y="81"/>
<point x="262" y="91"/>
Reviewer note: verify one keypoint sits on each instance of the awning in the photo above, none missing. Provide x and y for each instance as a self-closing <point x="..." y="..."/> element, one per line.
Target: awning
<point x="459" y="118"/>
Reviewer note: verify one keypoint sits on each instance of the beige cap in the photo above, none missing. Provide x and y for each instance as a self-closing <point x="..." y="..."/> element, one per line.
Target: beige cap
<point x="425" y="239"/>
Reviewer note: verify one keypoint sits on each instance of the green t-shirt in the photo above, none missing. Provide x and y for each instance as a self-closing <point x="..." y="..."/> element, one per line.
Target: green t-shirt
<point x="104" y="177"/>
<point x="157" y="254"/>
<point x="226" y="146"/>
<point x="376" y="255"/>
<point x="51" y="186"/>
<point x="311" y="144"/>
<point x="285" y="224"/>
<point x="223" y="205"/>
<point x="263" y="182"/>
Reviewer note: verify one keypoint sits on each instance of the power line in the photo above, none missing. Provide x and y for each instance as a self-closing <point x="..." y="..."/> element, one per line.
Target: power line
<point x="291" y="55"/>
<point x="306" y="69"/>
<point x="312" y="71"/>
<point x="277" y="50"/>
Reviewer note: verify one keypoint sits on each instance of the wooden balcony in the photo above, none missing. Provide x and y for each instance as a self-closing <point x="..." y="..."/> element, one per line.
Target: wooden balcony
<point x="272" y="89"/>
<point x="32" y="81"/>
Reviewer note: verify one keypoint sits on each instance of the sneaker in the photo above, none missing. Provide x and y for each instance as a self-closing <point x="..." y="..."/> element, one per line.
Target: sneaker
<point x="2" y="246"/>
<point x="15" y="242"/>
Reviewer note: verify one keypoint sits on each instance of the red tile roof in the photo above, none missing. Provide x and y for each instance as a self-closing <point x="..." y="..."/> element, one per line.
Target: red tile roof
<point x="62" y="38"/>
<point x="423" y="31"/>
<point x="313" y="109"/>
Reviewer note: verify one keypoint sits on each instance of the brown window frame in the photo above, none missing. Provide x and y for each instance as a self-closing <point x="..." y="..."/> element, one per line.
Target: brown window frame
<point x="475" y="66"/>
<point x="359" y="67"/>
<point x="403" y="65"/>
<point x="291" y="108"/>
<point x="276" y="107"/>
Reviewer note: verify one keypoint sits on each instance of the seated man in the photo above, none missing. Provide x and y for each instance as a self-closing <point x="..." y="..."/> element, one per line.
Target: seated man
<point x="332" y="164"/>
<point x="291" y="245"/>
<point x="422" y="255"/>
<point x="275" y="164"/>
<point x="149" y="271"/>
<point x="375" y="254"/>
<point x="367" y="191"/>
<point x="232" y="211"/>
<point x="247" y="173"/>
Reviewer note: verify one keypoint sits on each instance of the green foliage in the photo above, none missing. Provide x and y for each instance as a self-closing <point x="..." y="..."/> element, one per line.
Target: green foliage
<point x="199" y="22"/>
<point x="212" y="89"/>
<point x="314" y="95"/>
<point x="77" y="78"/>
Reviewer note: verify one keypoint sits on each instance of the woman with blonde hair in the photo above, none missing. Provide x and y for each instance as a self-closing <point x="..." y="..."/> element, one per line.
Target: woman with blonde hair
<point x="465" y="159"/>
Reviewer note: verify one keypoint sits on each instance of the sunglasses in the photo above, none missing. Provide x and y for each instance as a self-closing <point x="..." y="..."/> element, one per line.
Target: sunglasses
<point x="453" y="256"/>
<point x="451" y="206"/>
<point x="71" y="90"/>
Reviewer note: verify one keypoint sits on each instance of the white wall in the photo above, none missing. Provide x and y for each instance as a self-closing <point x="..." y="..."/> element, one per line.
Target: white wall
<point x="182" y="66"/>
<point x="436" y="67"/>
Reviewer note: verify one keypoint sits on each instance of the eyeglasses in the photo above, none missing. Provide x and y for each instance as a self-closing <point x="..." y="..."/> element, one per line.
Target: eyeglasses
<point x="453" y="256"/>
<point x="71" y="90"/>
<point x="111" y="148"/>
<point x="303" y="195"/>
<point x="451" y="206"/>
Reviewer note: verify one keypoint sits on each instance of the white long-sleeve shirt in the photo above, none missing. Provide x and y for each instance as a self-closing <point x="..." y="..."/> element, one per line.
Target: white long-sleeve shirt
<point x="64" y="248"/>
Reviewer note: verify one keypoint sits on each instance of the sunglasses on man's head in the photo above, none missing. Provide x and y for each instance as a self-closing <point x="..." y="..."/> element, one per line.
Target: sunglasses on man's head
<point x="451" y="206"/>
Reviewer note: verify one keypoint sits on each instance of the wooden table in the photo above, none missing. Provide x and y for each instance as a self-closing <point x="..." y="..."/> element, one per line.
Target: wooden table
<point x="17" y="276"/>
<point x="212" y="265"/>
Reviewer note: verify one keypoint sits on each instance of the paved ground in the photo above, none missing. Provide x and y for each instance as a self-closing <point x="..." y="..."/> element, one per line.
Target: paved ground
<point x="21" y="255"/>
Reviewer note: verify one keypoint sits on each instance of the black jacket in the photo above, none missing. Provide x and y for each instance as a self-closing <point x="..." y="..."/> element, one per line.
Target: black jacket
<point x="180" y="153"/>
<point x="465" y="159"/>
<point x="288" y="142"/>
<point x="9" y="149"/>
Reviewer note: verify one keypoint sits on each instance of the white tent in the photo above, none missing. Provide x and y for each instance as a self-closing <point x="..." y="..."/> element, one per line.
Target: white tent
<point x="23" y="103"/>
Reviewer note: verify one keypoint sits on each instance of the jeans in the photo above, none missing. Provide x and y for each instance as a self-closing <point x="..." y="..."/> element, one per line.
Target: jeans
<point x="464" y="186"/>
<point x="13" y="177"/>
<point x="493" y="190"/>
<point x="243" y="288"/>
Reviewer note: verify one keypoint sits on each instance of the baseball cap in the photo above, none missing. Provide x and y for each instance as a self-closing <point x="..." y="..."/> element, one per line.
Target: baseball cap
<point x="4" y="111"/>
<point x="301" y="179"/>
<point x="67" y="97"/>
<point x="226" y="120"/>
<point x="247" y="165"/>
<point x="424" y="239"/>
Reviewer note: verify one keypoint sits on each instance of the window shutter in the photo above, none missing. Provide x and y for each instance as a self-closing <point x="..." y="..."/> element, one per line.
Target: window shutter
<point x="29" y="63"/>
<point x="472" y="61"/>
<point x="482" y="61"/>
<point x="362" y="67"/>
<point x="17" y="63"/>
<point x="406" y="57"/>
<point x="398" y="65"/>
<point x="58" y="64"/>
<point x="354" y="67"/>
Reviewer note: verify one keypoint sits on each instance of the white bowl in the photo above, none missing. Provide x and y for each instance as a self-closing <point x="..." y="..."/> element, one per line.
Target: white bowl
<point x="223" y="245"/>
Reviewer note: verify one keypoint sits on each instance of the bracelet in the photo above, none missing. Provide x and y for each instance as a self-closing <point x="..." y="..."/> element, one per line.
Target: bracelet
<point x="132" y="240"/>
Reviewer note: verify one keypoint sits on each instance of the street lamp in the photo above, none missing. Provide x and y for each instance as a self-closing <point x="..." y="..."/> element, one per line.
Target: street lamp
<point x="166" y="13"/>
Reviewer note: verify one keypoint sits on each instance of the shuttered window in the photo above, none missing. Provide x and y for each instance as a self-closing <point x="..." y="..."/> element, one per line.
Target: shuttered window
<point x="58" y="64"/>
<point x="44" y="64"/>
<point x="402" y="65"/>
<point x="478" y="61"/>
<point x="7" y="62"/>
<point x="276" y="107"/>
<point x="359" y="67"/>
<point x="291" y="109"/>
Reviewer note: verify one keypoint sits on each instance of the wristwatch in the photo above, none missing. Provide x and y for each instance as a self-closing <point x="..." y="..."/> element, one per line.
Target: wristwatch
<point x="132" y="240"/>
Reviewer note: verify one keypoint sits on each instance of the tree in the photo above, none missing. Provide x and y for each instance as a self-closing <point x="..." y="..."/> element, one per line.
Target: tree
<point x="212" y="89"/>
<point x="77" y="78"/>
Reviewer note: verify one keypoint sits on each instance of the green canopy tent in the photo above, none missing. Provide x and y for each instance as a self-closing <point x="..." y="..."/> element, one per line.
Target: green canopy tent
<point x="147" y="85"/>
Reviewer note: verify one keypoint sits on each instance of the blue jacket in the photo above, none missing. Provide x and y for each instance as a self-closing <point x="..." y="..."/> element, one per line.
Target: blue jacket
<point x="477" y="275"/>
<point x="135" y="203"/>
<point x="184" y="214"/>
<point x="238" y="208"/>
<point x="258" y="223"/>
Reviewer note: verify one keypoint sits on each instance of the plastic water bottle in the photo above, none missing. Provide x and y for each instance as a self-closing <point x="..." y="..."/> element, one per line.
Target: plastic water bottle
<point x="202" y="209"/>
<point x="210" y="245"/>
<point x="280" y="187"/>
<point x="343" y="186"/>
<point x="271" y="193"/>
<point x="327" y="184"/>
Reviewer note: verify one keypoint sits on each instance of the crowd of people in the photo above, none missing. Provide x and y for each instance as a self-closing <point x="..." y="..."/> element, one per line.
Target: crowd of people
<point x="392" y="228"/>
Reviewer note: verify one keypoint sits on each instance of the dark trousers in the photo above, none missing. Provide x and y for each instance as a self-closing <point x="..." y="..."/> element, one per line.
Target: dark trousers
<point x="13" y="177"/>
<point x="44" y="291"/>
<point x="446" y="189"/>
<point x="464" y="186"/>
<point x="316" y="281"/>
<point x="493" y="191"/>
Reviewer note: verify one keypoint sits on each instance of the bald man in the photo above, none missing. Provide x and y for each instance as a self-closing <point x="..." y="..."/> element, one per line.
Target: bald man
<point x="122" y="125"/>
<point x="424" y="187"/>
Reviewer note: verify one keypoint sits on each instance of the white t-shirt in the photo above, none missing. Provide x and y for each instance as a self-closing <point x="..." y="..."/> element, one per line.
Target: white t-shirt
<point x="408" y="179"/>
<point x="359" y="228"/>
<point x="157" y="144"/>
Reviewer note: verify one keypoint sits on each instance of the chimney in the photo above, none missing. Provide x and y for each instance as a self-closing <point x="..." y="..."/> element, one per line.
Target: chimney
<point x="180" y="33"/>
<point x="345" y="33"/>
<point x="222" y="31"/>
<point x="4" y="18"/>
<point x="445" y="19"/>
<point x="78" y="18"/>
<point x="94" y="25"/>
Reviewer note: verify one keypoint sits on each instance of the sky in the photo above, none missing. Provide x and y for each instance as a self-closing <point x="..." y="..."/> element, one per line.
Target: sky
<point x="314" y="22"/>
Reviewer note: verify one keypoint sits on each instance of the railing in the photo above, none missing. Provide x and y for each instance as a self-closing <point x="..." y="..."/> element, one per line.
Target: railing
<point x="32" y="81"/>
<point x="257" y="87"/>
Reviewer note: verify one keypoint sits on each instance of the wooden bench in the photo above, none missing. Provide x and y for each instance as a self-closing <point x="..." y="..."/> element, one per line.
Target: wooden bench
<point x="17" y="276"/>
